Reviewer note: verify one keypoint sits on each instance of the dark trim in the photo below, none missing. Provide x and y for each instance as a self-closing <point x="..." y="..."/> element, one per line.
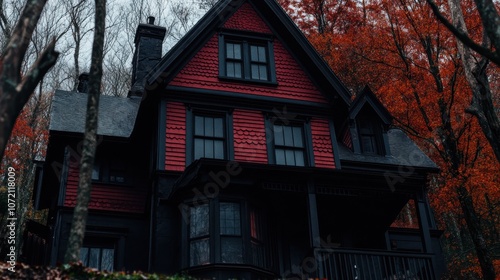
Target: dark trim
<point x="162" y="132"/>
<point x="312" y="213"/>
<point x="189" y="135"/>
<point x="64" y="177"/>
<point x="353" y="128"/>
<point x="246" y="34"/>
<point x="367" y="96"/>
<point x="242" y="100"/>
<point x="271" y="157"/>
<point x="308" y="142"/>
<point x="230" y="136"/>
<point x="335" y="145"/>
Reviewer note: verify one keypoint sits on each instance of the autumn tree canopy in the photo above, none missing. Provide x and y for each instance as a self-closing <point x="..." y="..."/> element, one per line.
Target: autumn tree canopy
<point x="411" y="60"/>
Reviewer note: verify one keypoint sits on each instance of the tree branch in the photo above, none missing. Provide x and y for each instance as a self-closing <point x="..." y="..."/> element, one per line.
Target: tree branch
<point x="462" y="36"/>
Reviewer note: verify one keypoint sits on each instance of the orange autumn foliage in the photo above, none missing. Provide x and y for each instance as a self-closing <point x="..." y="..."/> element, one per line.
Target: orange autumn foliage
<point x="399" y="49"/>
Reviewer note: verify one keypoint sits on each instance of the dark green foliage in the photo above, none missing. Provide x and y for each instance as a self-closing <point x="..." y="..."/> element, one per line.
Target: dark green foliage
<point x="78" y="272"/>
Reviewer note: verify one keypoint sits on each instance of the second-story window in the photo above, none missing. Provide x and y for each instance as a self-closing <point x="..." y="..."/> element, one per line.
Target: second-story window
<point x="209" y="137"/>
<point x="246" y="58"/>
<point x="289" y="146"/>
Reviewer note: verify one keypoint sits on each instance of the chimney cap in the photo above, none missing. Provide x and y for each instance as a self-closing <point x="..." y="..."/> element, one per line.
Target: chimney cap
<point x="151" y="20"/>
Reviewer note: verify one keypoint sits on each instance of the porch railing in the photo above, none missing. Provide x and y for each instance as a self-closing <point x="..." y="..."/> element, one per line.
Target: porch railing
<point x="341" y="264"/>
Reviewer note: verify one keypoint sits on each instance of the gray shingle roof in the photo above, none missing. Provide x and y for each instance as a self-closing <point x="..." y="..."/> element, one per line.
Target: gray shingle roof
<point x="404" y="152"/>
<point x="117" y="115"/>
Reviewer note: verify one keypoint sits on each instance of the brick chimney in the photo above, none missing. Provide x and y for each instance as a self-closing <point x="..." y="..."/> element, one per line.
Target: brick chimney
<point x="148" y="44"/>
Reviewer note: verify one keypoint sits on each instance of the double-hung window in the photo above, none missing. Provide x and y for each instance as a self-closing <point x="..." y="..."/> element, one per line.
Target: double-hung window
<point x="209" y="137"/>
<point x="230" y="232"/>
<point x="289" y="145"/>
<point x="247" y="58"/>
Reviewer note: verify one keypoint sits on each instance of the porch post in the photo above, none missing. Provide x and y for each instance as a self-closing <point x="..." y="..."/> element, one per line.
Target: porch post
<point x="424" y="219"/>
<point x="312" y="210"/>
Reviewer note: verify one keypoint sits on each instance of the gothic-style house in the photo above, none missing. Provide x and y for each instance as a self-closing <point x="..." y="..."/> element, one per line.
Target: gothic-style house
<point x="240" y="155"/>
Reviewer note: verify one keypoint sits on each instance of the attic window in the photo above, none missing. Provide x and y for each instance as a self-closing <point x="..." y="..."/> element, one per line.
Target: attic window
<point x="370" y="137"/>
<point x="246" y="58"/>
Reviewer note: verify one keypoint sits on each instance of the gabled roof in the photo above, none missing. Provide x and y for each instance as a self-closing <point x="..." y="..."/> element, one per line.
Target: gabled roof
<point x="281" y="24"/>
<point x="367" y="97"/>
<point x="116" y="115"/>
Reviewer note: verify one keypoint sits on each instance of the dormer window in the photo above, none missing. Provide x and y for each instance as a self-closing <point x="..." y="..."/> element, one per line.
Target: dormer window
<point x="246" y="58"/>
<point x="370" y="137"/>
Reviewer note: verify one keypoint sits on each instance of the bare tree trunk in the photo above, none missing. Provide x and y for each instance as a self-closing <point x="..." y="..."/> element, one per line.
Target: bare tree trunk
<point x="16" y="90"/>
<point x="77" y="231"/>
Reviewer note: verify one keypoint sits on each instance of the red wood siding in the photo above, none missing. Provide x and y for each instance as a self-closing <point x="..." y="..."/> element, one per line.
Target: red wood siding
<point x="106" y="197"/>
<point x="249" y="136"/>
<point x="175" y="144"/>
<point x="203" y="70"/>
<point x="247" y="19"/>
<point x="346" y="138"/>
<point x="322" y="144"/>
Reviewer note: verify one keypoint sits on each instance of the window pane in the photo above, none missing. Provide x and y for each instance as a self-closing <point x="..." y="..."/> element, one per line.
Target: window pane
<point x="209" y="126"/>
<point x="95" y="172"/>
<point x="287" y="131"/>
<point x="263" y="72"/>
<point x="199" y="148"/>
<point x="280" y="156"/>
<point x="255" y="72"/>
<point x="230" y="218"/>
<point x="199" y="125"/>
<point x="278" y="135"/>
<point x="297" y="137"/>
<point x="290" y="157"/>
<point x="219" y="149"/>
<point x="231" y="250"/>
<point x="199" y="221"/>
<point x="199" y="252"/>
<point x="209" y="148"/>
<point x="94" y="258"/>
<point x="237" y="70"/>
<point x="230" y="69"/>
<point x="262" y="54"/>
<point x="254" y="53"/>
<point x="237" y="51"/>
<point x="84" y="256"/>
<point x="218" y="127"/>
<point x="299" y="158"/>
<point x="107" y="259"/>
<point x="254" y="224"/>
<point x="368" y="144"/>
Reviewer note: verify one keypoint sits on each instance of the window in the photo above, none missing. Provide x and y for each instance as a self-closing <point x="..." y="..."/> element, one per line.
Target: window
<point x="209" y="137"/>
<point x="239" y="234"/>
<point x="230" y="231"/>
<point x="369" y="137"/>
<point x="289" y="147"/>
<point x="199" y="226"/>
<point x="98" y="257"/>
<point x="247" y="58"/>
<point x="113" y="171"/>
